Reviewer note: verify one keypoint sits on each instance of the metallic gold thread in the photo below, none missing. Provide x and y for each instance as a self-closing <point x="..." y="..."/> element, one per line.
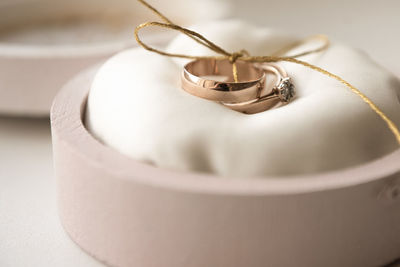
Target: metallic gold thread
<point x="244" y="56"/>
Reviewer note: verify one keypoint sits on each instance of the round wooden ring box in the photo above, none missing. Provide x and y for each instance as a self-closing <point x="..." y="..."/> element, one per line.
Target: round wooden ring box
<point x="127" y="213"/>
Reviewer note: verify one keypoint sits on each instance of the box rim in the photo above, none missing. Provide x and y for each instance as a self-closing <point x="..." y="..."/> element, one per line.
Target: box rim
<point x="67" y="125"/>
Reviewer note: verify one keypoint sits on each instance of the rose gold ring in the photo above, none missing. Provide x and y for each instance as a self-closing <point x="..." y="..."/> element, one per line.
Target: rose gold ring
<point x="213" y="80"/>
<point x="282" y="92"/>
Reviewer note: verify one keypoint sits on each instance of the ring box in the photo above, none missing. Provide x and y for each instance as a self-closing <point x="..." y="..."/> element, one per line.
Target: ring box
<point x="127" y="213"/>
<point x="43" y="43"/>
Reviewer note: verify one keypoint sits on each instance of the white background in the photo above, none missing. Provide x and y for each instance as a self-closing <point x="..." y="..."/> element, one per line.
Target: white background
<point x="30" y="232"/>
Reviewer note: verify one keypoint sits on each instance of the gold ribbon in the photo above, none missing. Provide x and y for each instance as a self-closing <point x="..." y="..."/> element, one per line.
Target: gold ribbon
<point x="244" y="56"/>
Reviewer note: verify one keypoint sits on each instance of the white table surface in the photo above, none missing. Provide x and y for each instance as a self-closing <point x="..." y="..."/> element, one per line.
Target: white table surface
<point x="30" y="232"/>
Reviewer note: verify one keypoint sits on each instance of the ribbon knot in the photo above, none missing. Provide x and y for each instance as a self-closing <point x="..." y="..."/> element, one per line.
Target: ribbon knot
<point x="234" y="56"/>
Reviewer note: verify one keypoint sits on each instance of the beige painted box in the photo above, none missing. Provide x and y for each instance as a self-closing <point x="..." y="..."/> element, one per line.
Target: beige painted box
<point x="127" y="213"/>
<point x="43" y="43"/>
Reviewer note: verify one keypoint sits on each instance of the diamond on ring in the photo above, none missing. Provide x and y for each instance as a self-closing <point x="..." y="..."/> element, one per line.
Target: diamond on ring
<point x="285" y="89"/>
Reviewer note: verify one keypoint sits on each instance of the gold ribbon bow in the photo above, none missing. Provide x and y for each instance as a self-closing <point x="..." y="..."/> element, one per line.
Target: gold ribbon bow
<point x="244" y="56"/>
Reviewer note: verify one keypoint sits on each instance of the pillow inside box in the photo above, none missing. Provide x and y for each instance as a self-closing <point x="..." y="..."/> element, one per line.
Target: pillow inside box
<point x="136" y="106"/>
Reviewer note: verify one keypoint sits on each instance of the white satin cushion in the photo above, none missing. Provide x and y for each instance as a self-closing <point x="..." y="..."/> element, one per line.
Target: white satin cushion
<point x="136" y="106"/>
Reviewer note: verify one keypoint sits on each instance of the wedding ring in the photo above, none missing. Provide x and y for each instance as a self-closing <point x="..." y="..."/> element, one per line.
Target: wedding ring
<point x="213" y="80"/>
<point x="281" y="93"/>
